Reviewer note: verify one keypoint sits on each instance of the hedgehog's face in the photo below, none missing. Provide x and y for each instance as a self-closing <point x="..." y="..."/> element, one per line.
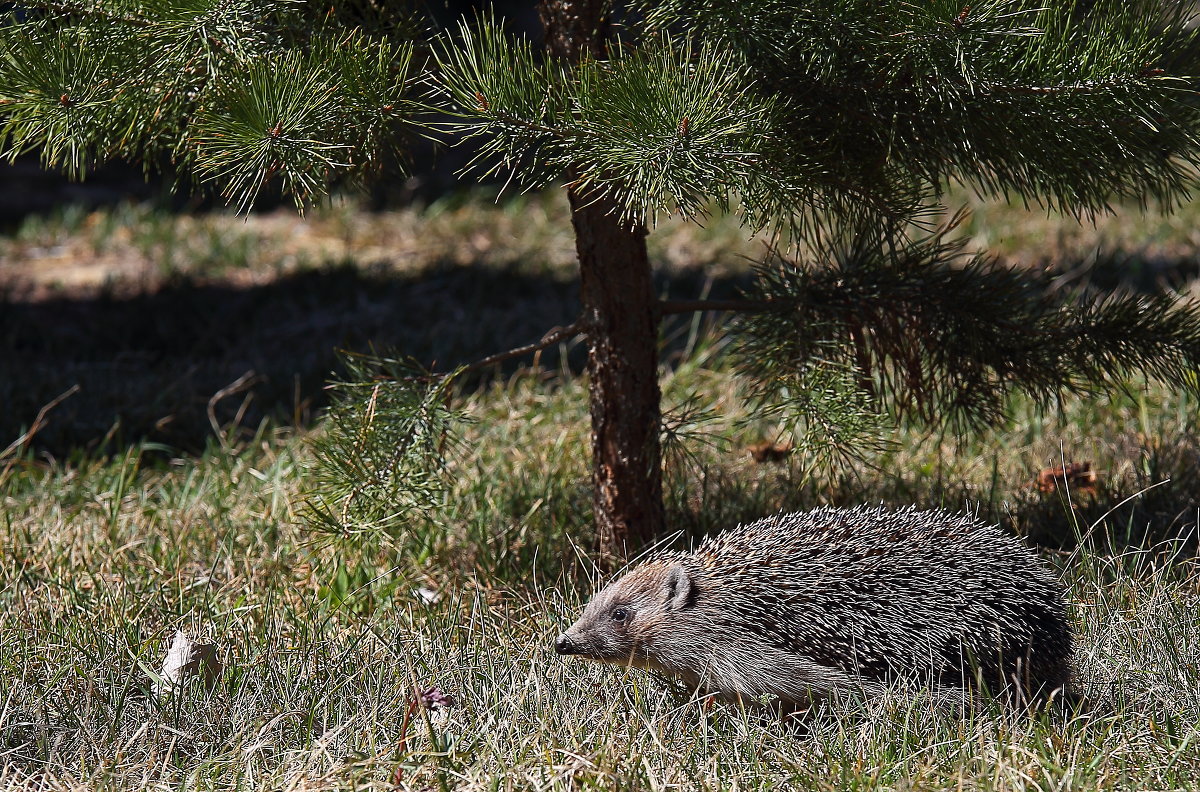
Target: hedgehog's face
<point x="622" y="622"/>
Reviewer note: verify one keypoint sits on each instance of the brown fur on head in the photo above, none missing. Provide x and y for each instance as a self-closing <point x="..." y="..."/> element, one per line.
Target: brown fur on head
<point x="623" y="622"/>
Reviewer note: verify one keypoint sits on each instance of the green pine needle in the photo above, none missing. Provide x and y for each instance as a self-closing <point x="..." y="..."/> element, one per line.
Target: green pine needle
<point x="380" y="463"/>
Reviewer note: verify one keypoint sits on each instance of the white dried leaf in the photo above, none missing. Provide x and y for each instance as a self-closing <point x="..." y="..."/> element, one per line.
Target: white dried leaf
<point x="188" y="659"/>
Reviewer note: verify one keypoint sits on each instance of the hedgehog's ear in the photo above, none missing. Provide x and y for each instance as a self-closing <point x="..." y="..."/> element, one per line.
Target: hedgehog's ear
<point x="678" y="590"/>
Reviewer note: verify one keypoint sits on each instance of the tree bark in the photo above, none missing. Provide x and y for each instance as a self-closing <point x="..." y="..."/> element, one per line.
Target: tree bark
<point x="621" y="323"/>
<point x="622" y="331"/>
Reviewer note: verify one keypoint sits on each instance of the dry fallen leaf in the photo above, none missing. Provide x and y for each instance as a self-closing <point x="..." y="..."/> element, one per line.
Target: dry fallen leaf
<point x="1077" y="476"/>
<point x="430" y="596"/>
<point x="188" y="659"/>
<point x="767" y="451"/>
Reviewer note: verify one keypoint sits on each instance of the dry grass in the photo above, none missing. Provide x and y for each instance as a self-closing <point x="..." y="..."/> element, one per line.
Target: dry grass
<point x="104" y="553"/>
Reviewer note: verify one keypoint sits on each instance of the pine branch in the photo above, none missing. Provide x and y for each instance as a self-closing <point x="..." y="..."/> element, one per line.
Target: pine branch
<point x="931" y="332"/>
<point x="555" y="336"/>
<point x="380" y="464"/>
<point x="1027" y="99"/>
<point x="657" y="128"/>
<point x="92" y="10"/>
<point x="1072" y="88"/>
<point x="244" y="93"/>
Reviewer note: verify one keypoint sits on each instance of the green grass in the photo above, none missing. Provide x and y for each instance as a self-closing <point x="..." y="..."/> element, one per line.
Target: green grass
<point x="103" y="560"/>
<point x="105" y="552"/>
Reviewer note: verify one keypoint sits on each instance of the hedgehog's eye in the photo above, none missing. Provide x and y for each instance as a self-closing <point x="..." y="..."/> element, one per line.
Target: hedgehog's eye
<point x="620" y="614"/>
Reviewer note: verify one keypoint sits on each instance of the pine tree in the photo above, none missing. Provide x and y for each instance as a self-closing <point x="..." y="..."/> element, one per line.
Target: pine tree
<point x="833" y="125"/>
<point x="837" y="126"/>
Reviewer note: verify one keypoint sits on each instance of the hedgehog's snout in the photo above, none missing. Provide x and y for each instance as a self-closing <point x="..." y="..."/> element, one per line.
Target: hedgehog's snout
<point x="565" y="646"/>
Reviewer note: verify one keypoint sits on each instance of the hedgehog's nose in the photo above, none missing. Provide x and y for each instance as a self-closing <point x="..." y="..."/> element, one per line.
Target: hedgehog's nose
<point x="564" y="645"/>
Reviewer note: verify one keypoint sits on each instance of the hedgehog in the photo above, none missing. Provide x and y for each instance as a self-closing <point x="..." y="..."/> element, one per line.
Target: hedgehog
<point x="798" y="607"/>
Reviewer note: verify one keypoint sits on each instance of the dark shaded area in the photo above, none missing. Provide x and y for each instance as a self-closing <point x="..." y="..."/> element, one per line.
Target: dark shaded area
<point x="149" y="365"/>
<point x="27" y="189"/>
<point x="1114" y="269"/>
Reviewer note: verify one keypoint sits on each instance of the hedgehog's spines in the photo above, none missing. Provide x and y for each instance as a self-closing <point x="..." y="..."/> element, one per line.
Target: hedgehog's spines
<point x="866" y="595"/>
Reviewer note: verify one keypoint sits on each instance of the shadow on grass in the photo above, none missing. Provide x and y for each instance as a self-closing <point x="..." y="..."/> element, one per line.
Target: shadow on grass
<point x="151" y="366"/>
<point x="166" y="366"/>
<point x="1111" y="269"/>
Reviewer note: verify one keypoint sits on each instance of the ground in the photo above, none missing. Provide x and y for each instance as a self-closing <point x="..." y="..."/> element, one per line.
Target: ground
<point x="161" y="496"/>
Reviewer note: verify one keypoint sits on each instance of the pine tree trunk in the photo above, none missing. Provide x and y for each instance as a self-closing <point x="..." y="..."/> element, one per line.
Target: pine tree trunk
<point x="622" y="331"/>
<point x="618" y="312"/>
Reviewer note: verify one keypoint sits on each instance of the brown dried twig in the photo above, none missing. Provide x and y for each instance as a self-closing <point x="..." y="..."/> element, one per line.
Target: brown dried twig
<point x="13" y="452"/>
